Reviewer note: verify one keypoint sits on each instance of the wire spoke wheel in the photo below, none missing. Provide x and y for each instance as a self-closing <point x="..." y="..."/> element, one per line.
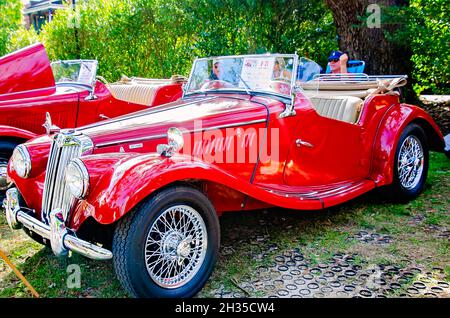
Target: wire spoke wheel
<point x="411" y="162"/>
<point x="175" y="247"/>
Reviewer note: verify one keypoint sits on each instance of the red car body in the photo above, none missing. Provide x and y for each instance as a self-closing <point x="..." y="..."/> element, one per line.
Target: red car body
<point x="321" y="161"/>
<point x="348" y="161"/>
<point x="28" y="91"/>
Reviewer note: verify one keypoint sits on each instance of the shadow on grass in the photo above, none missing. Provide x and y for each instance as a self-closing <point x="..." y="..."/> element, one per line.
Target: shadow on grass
<point x="52" y="277"/>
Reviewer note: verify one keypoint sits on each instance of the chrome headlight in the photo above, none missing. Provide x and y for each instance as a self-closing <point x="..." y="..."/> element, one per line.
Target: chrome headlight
<point x="175" y="142"/>
<point x="77" y="178"/>
<point x="21" y="161"/>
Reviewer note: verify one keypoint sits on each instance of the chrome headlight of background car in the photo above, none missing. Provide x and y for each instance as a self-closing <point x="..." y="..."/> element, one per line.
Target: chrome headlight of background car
<point x="21" y="161"/>
<point x="77" y="178"/>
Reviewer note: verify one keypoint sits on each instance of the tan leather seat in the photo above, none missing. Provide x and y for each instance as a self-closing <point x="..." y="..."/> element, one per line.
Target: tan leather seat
<point x="344" y="108"/>
<point x="133" y="93"/>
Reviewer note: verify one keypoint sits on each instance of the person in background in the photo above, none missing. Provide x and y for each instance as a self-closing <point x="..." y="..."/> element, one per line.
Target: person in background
<point x="281" y="71"/>
<point x="215" y="72"/>
<point x="276" y="70"/>
<point x="338" y="62"/>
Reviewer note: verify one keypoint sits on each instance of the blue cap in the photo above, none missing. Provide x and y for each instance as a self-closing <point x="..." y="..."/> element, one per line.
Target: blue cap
<point x="335" y="55"/>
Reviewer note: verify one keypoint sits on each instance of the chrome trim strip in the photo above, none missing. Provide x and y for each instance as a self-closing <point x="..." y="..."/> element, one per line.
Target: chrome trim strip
<point x="245" y="123"/>
<point x="246" y="55"/>
<point x="152" y="110"/>
<point x="66" y="146"/>
<point x="36" y="90"/>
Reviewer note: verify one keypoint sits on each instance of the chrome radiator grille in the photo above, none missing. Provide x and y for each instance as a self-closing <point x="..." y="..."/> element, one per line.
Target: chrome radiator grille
<point x="66" y="146"/>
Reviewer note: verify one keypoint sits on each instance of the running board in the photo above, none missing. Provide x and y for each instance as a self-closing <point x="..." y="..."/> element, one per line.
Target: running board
<point x="316" y="197"/>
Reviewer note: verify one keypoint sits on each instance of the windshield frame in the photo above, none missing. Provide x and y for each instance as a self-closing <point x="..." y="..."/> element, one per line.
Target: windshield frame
<point x="92" y="80"/>
<point x="245" y="90"/>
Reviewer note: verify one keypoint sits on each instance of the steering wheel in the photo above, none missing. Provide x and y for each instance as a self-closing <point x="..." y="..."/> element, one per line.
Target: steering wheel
<point x="215" y="84"/>
<point x="280" y="86"/>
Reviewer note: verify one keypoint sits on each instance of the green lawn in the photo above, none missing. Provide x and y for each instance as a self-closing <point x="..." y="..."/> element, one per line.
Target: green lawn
<point x="418" y="234"/>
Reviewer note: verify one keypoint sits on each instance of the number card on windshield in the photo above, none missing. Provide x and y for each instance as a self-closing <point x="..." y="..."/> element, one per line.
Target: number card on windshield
<point x="257" y="72"/>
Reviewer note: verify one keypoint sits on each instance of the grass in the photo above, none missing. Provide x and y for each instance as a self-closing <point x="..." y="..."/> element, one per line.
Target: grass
<point x="251" y="239"/>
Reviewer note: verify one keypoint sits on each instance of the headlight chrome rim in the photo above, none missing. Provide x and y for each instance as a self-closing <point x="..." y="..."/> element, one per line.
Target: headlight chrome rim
<point x="79" y="166"/>
<point x="21" y="151"/>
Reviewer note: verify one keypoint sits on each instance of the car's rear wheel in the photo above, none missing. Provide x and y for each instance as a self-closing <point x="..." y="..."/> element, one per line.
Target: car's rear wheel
<point x="410" y="164"/>
<point x="167" y="246"/>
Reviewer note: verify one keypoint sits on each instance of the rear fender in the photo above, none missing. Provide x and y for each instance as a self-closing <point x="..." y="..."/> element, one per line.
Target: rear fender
<point x="388" y="134"/>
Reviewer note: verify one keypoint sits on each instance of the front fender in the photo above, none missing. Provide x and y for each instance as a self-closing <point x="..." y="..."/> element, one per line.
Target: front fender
<point x="13" y="132"/>
<point x="119" y="182"/>
<point x="396" y="119"/>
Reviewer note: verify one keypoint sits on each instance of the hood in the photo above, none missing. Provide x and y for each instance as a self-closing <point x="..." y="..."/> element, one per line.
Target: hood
<point x="188" y="114"/>
<point x="26" y="69"/>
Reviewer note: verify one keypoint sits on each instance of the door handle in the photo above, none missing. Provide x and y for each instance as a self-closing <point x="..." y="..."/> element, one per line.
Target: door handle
<point x="102" y="116"/>
<point x="300" y="143"/>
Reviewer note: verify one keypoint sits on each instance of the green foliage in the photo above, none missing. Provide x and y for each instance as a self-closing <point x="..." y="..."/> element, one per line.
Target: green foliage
<point x="431" y="45"/>
<point x="10" y="18"/>
<point x="258" y="26"/>
<point x="159" y="38"/>
<point x="426" y="31"/>
<point x="21" y="38"/>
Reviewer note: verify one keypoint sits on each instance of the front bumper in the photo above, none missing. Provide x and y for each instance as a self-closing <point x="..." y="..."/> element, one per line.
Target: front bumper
<point x="60" y="238"/>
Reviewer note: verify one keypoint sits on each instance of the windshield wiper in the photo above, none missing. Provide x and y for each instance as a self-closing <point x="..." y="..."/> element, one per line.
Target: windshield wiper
<point x="247" y="87"/>
<point x="86" y="65"/>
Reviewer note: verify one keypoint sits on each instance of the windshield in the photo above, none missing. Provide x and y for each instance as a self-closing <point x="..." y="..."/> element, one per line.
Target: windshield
<point x="77" y="71"/>
<point x="269" y="73"/>
<point x="307" y="70"/>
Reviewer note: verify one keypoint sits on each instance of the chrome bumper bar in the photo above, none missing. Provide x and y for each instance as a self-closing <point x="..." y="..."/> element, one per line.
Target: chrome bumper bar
<point x="60" y="239"/>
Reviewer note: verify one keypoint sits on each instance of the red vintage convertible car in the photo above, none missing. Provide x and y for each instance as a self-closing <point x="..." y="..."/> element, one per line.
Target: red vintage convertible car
<point x="250" y="132"/>
<point x="31" y="86"/>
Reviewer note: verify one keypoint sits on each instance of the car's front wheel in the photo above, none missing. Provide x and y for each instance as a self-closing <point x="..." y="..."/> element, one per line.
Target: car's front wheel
<point x="410" y="164"/>
<point x="168" y="245"/>
<point x="6" y="148"/>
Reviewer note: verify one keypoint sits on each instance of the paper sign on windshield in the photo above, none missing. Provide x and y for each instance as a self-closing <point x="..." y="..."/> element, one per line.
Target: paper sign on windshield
<point x="85" y="75"/>
<point x="257" y="72"/>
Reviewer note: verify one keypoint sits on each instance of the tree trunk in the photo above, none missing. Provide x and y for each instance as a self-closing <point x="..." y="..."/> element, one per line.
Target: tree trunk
<point x="369" y="44"/>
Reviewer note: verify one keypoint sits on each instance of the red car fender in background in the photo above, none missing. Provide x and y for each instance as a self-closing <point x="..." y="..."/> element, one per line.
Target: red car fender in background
<point x="25" y="70"/>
